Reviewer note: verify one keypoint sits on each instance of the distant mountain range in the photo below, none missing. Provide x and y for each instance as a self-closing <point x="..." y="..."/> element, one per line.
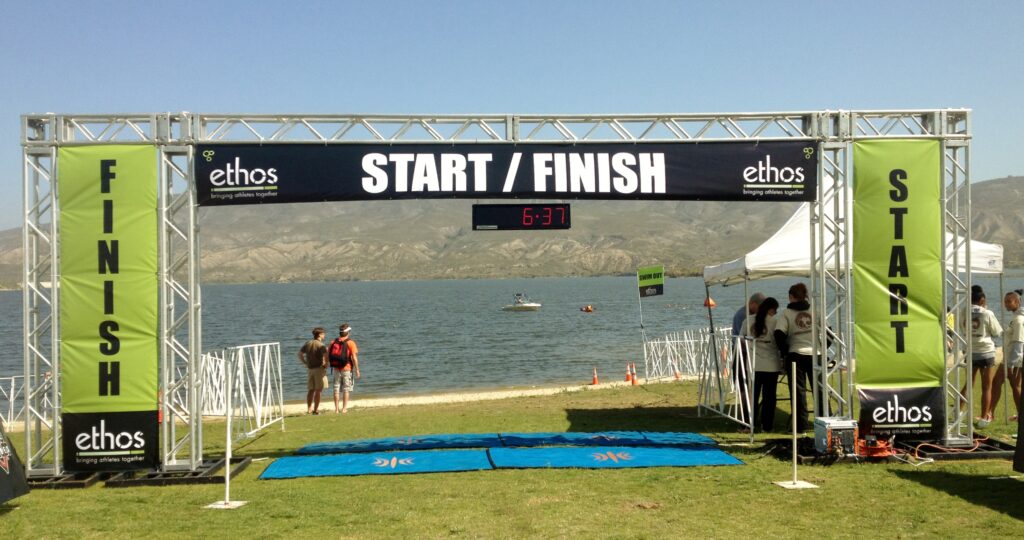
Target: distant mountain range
<point x="434" y="239"/>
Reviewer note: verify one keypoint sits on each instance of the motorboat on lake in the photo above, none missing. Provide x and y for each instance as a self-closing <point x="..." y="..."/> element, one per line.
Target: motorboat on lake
<point x="521" y="303"/>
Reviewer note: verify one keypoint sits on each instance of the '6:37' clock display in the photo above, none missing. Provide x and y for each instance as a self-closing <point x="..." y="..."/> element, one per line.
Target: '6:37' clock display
<point x="520" y="217"/>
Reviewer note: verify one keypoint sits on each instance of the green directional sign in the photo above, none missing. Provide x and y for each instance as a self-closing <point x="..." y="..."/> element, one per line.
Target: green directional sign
<point x="651" y="280"/>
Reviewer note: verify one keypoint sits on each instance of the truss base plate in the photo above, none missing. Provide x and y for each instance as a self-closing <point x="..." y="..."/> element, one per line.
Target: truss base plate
<point x="203" y="475"/>
<point x="67" y="481"/>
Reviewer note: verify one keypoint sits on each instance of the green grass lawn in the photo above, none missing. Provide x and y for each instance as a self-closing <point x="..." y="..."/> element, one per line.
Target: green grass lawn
<point x="875" y="499"/>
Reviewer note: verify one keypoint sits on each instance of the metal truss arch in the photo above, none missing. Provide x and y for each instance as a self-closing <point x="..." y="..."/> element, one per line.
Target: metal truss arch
<point x="175" y="135"/>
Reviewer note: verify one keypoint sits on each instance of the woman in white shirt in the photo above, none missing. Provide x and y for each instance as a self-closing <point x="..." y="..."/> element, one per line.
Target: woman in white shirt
<point x="984" y="327"/>
<point x="767" y="363"/>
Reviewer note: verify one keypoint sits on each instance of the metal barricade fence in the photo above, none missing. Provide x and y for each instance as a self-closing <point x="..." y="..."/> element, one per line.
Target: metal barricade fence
<point x="677" y="352"/>
<point x="726" y="380"/>
<point x="257" y="396"/>
<point x="214" y="385"/>
<point x="12" y="399"/>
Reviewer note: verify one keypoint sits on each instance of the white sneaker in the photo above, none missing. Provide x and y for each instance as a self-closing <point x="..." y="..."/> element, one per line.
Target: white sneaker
<point x="984" y="423"/>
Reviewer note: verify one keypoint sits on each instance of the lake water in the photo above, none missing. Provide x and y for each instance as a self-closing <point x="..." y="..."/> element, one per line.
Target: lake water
<point x="436" y="336"/>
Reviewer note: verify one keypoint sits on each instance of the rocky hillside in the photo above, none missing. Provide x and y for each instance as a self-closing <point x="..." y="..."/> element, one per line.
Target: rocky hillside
<point x="434" y="239"/>
<point x="428" y="240"/>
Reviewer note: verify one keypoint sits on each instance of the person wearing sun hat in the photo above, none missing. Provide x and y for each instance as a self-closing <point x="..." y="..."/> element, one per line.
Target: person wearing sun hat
<point x="343" y="355"/>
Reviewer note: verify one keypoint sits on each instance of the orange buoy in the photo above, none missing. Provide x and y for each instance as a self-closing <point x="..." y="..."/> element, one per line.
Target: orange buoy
<point x="710" y="302"/>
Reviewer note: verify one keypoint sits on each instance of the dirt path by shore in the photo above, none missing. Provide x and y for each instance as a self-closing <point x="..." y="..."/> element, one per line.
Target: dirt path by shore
<point x="327" y="403"/>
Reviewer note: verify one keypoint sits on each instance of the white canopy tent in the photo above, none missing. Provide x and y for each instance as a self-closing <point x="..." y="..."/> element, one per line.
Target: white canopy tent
<point x="788" y="253"/>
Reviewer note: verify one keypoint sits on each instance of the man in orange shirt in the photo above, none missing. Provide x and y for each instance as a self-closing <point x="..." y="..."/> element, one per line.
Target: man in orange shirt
<point x="344" y="359"/>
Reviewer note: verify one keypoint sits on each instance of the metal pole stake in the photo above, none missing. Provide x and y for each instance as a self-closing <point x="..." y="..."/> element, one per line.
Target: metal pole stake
<point x="794" y="484"/>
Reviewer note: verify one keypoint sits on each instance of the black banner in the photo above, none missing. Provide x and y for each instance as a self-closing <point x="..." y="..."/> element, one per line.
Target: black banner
<point x="12" y="473"/>
<point x="231" y="174"/>
<point x="902" y="411"/>
<point x="110" y="441"/>
<point x="653" y="290"/>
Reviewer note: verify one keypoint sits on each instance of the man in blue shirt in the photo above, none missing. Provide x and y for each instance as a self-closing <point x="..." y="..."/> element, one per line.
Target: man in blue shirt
<point x="741" y="315"/>
<point x="738" y="320"/>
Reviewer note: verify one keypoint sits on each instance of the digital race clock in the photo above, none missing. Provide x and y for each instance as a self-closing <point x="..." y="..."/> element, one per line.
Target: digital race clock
<point x="520" y="217"/>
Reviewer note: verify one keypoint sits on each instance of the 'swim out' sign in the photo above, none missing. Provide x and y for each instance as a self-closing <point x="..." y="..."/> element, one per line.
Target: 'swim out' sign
<point x="650" y="280"/>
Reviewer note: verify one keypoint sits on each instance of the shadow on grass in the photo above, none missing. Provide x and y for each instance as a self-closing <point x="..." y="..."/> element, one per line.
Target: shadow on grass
<point x="7" y="508"/>
<point x="269" y="453"/>
<point x="1002" y="495"/>
<point x="645" y="419"/>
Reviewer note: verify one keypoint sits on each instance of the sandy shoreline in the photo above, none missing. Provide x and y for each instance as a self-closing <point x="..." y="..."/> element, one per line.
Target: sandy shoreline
<point x="294" y="408"/>
<point x="327" y="402"/>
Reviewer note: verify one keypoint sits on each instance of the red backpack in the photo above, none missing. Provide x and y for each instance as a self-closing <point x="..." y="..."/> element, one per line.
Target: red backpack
<point x="338" y="355"/>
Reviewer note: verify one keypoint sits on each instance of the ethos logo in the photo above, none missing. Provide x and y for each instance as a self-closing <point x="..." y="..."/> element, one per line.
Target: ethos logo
<point x="892" y="413"/>
<point x="766" y="173"/>
<point x="233" y="174"/>
<point x="99" y="439"/>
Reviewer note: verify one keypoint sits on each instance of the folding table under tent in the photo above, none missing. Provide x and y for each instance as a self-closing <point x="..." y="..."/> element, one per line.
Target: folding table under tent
<point x="787" y="253"/>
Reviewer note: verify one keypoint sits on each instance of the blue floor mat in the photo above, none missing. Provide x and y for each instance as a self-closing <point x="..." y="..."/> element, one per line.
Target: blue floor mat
<point x="572" y="438"/>
<point x="495" y="440"/>
<point x="612" y="457"/>
<point x="674" y="438"/>
<point x="415" y="442"/>
<point x="378" y="463"/>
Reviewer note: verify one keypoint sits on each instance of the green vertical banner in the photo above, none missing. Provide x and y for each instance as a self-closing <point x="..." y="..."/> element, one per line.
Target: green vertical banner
<point x="109" y="323"/>
<point x="651" y="280"/>
<point x="897" y="284"/>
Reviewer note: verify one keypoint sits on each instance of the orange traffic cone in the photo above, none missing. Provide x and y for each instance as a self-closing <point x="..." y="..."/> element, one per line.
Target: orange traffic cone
<point x="629" y="374"/>
<point x="675" y="371"/>
<point x="634" y="374"/>
<point x="595" y="383"/>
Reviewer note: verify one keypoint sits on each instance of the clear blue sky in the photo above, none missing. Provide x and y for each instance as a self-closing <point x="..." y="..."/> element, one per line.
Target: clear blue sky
<point x="513" y="57"/>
